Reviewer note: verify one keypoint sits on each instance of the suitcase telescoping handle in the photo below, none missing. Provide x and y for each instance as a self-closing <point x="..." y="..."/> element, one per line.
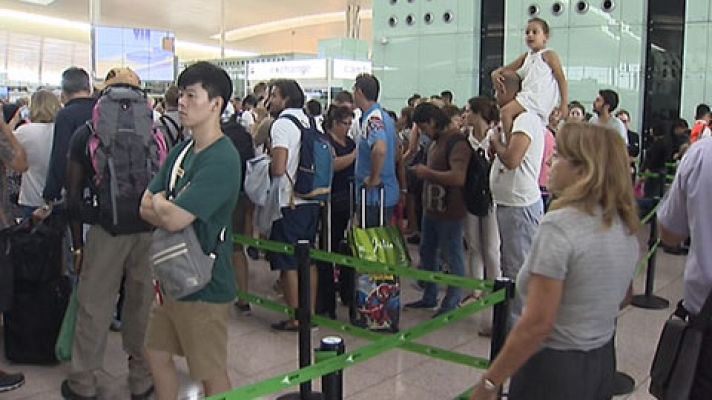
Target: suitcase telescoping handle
<point x="381" y="195"/>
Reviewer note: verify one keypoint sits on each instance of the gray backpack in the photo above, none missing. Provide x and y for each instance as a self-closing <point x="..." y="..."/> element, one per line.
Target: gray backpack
<point x="126" y="151"/>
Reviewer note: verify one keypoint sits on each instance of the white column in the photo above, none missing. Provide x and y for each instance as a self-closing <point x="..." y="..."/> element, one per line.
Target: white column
<point x="222" y="29"/>
<point x="353" y="22"/>
<point x="94" y="20"/>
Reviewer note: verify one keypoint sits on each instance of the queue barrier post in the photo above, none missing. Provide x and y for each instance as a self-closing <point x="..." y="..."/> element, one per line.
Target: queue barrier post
<point x="500" y="316"/>
<point x="303" y="314"/>
<point x="648" y="300"/>
<point x="332" y="385"/>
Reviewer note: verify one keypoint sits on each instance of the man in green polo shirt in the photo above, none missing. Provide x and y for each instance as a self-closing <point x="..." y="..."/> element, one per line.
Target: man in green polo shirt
<point x="196" y="326"/>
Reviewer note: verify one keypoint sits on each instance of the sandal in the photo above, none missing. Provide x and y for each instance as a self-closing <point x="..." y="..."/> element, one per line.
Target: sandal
<point x="285" y="326"/>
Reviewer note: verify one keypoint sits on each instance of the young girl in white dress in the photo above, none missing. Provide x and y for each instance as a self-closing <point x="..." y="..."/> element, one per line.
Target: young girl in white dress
<point x="543" y="85"/>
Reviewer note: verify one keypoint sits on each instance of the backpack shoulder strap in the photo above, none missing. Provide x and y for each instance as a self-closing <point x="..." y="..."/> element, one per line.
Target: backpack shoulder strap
<point x="294" y="120"/>
<point x="177" y="164"/>
<point x="452" y="142"/>
<point x="166" y="121"/>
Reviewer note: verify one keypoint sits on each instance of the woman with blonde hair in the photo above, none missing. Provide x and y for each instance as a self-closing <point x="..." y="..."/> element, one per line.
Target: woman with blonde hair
<point x="575" y="277"/>
<point x="36" y="139"/>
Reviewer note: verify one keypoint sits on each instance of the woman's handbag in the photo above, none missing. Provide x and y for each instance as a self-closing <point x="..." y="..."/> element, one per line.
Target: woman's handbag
<point x="675" y="363"/>
<point x="177" y="258"/>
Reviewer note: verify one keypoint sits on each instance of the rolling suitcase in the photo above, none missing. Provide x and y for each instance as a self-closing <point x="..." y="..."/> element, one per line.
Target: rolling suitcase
<point x="376" y="303"/>
<point x="32" y="325"/>
<point x="41" y="293"/>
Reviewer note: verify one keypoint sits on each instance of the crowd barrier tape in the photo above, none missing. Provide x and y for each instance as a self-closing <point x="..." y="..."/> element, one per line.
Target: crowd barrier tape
<point x="371" y="267"/>
<point x="380" y="343"/>
<point x="650" y="215"/>
<point x="376" y="348"/>
<point x="668" y="178"/>
<point x="644" y="262"/>
<point x="431" y="351"/>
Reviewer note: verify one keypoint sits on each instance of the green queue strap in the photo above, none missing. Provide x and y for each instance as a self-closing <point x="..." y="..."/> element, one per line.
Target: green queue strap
<point x="378" y="347"/>
<point x="370" y="267"/>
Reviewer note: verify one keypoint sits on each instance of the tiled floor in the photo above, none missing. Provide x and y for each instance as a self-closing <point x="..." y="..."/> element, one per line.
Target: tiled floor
<point x="256" y="353"/>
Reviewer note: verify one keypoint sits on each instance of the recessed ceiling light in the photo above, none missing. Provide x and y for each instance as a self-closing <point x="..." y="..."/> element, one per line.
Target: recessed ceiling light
<point x="39" y="2"/>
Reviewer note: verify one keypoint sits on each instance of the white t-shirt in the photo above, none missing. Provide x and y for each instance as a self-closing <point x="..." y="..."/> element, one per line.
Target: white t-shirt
<point x="36" y="139"/>
<point x="616" y="124"/>
<point x="520" y="187"/>
<point x="285" y="134"/>
<point x="247" y="119"/>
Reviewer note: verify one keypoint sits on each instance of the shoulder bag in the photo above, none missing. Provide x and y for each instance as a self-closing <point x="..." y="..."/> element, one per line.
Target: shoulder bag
<point x="179" y="264"/>
<point x="675" y="363"/>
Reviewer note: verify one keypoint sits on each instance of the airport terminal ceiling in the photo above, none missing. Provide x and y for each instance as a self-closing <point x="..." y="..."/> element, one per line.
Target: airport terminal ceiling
<point x="258" y="27"/>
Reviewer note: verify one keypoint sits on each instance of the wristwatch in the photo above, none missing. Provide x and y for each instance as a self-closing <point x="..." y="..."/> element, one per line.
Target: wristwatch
<point x="488" y="385"/>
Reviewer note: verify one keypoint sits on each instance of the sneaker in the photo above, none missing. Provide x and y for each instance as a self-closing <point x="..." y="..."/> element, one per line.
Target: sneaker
<point x="253" y="253"/>
<point x="469" y="299"/>
<point x="69" y="394"/>
<point x="244" y="309"/>
<point x="10" y="381"/>
<point x="421" y="304"/>
<point x="115" y="325"/>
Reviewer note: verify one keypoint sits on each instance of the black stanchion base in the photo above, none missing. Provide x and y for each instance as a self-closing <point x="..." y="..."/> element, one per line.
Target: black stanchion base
<point x="298" y="396"/>
<point x="623" y="383"/>
<point x="650" y="302"/>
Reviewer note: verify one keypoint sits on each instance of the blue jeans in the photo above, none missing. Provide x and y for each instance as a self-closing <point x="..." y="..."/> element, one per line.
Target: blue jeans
<point x="445" y="236"/>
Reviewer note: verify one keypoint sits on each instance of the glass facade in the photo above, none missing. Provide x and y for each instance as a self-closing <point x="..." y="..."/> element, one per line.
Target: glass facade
<point x="426" y="47"/>
<point x="697" y="61"/>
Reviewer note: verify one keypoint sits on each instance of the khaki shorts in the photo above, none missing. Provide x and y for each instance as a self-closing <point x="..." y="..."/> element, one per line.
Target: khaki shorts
<point x="195" y="330"/>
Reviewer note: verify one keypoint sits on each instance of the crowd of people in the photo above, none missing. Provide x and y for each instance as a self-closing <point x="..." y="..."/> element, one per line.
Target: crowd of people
<point x="573" y="264"/>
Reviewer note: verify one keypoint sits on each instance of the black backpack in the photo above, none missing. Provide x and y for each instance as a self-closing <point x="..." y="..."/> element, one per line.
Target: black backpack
<point x="476" y="191"/>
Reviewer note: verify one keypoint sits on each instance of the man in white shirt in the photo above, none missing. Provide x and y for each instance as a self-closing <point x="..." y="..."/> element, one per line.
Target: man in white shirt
<point x="514" y="181"/>
<point x="298" y="222"/>
<point x="606" y="102"/>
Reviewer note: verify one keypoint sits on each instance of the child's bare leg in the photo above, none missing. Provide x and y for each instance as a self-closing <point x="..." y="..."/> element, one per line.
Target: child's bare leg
<point x="508" y="113"/>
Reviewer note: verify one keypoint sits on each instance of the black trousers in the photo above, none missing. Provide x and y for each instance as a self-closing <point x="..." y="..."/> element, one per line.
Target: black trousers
<point x="566" y="374"/>
<point x="326" y="291"/>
